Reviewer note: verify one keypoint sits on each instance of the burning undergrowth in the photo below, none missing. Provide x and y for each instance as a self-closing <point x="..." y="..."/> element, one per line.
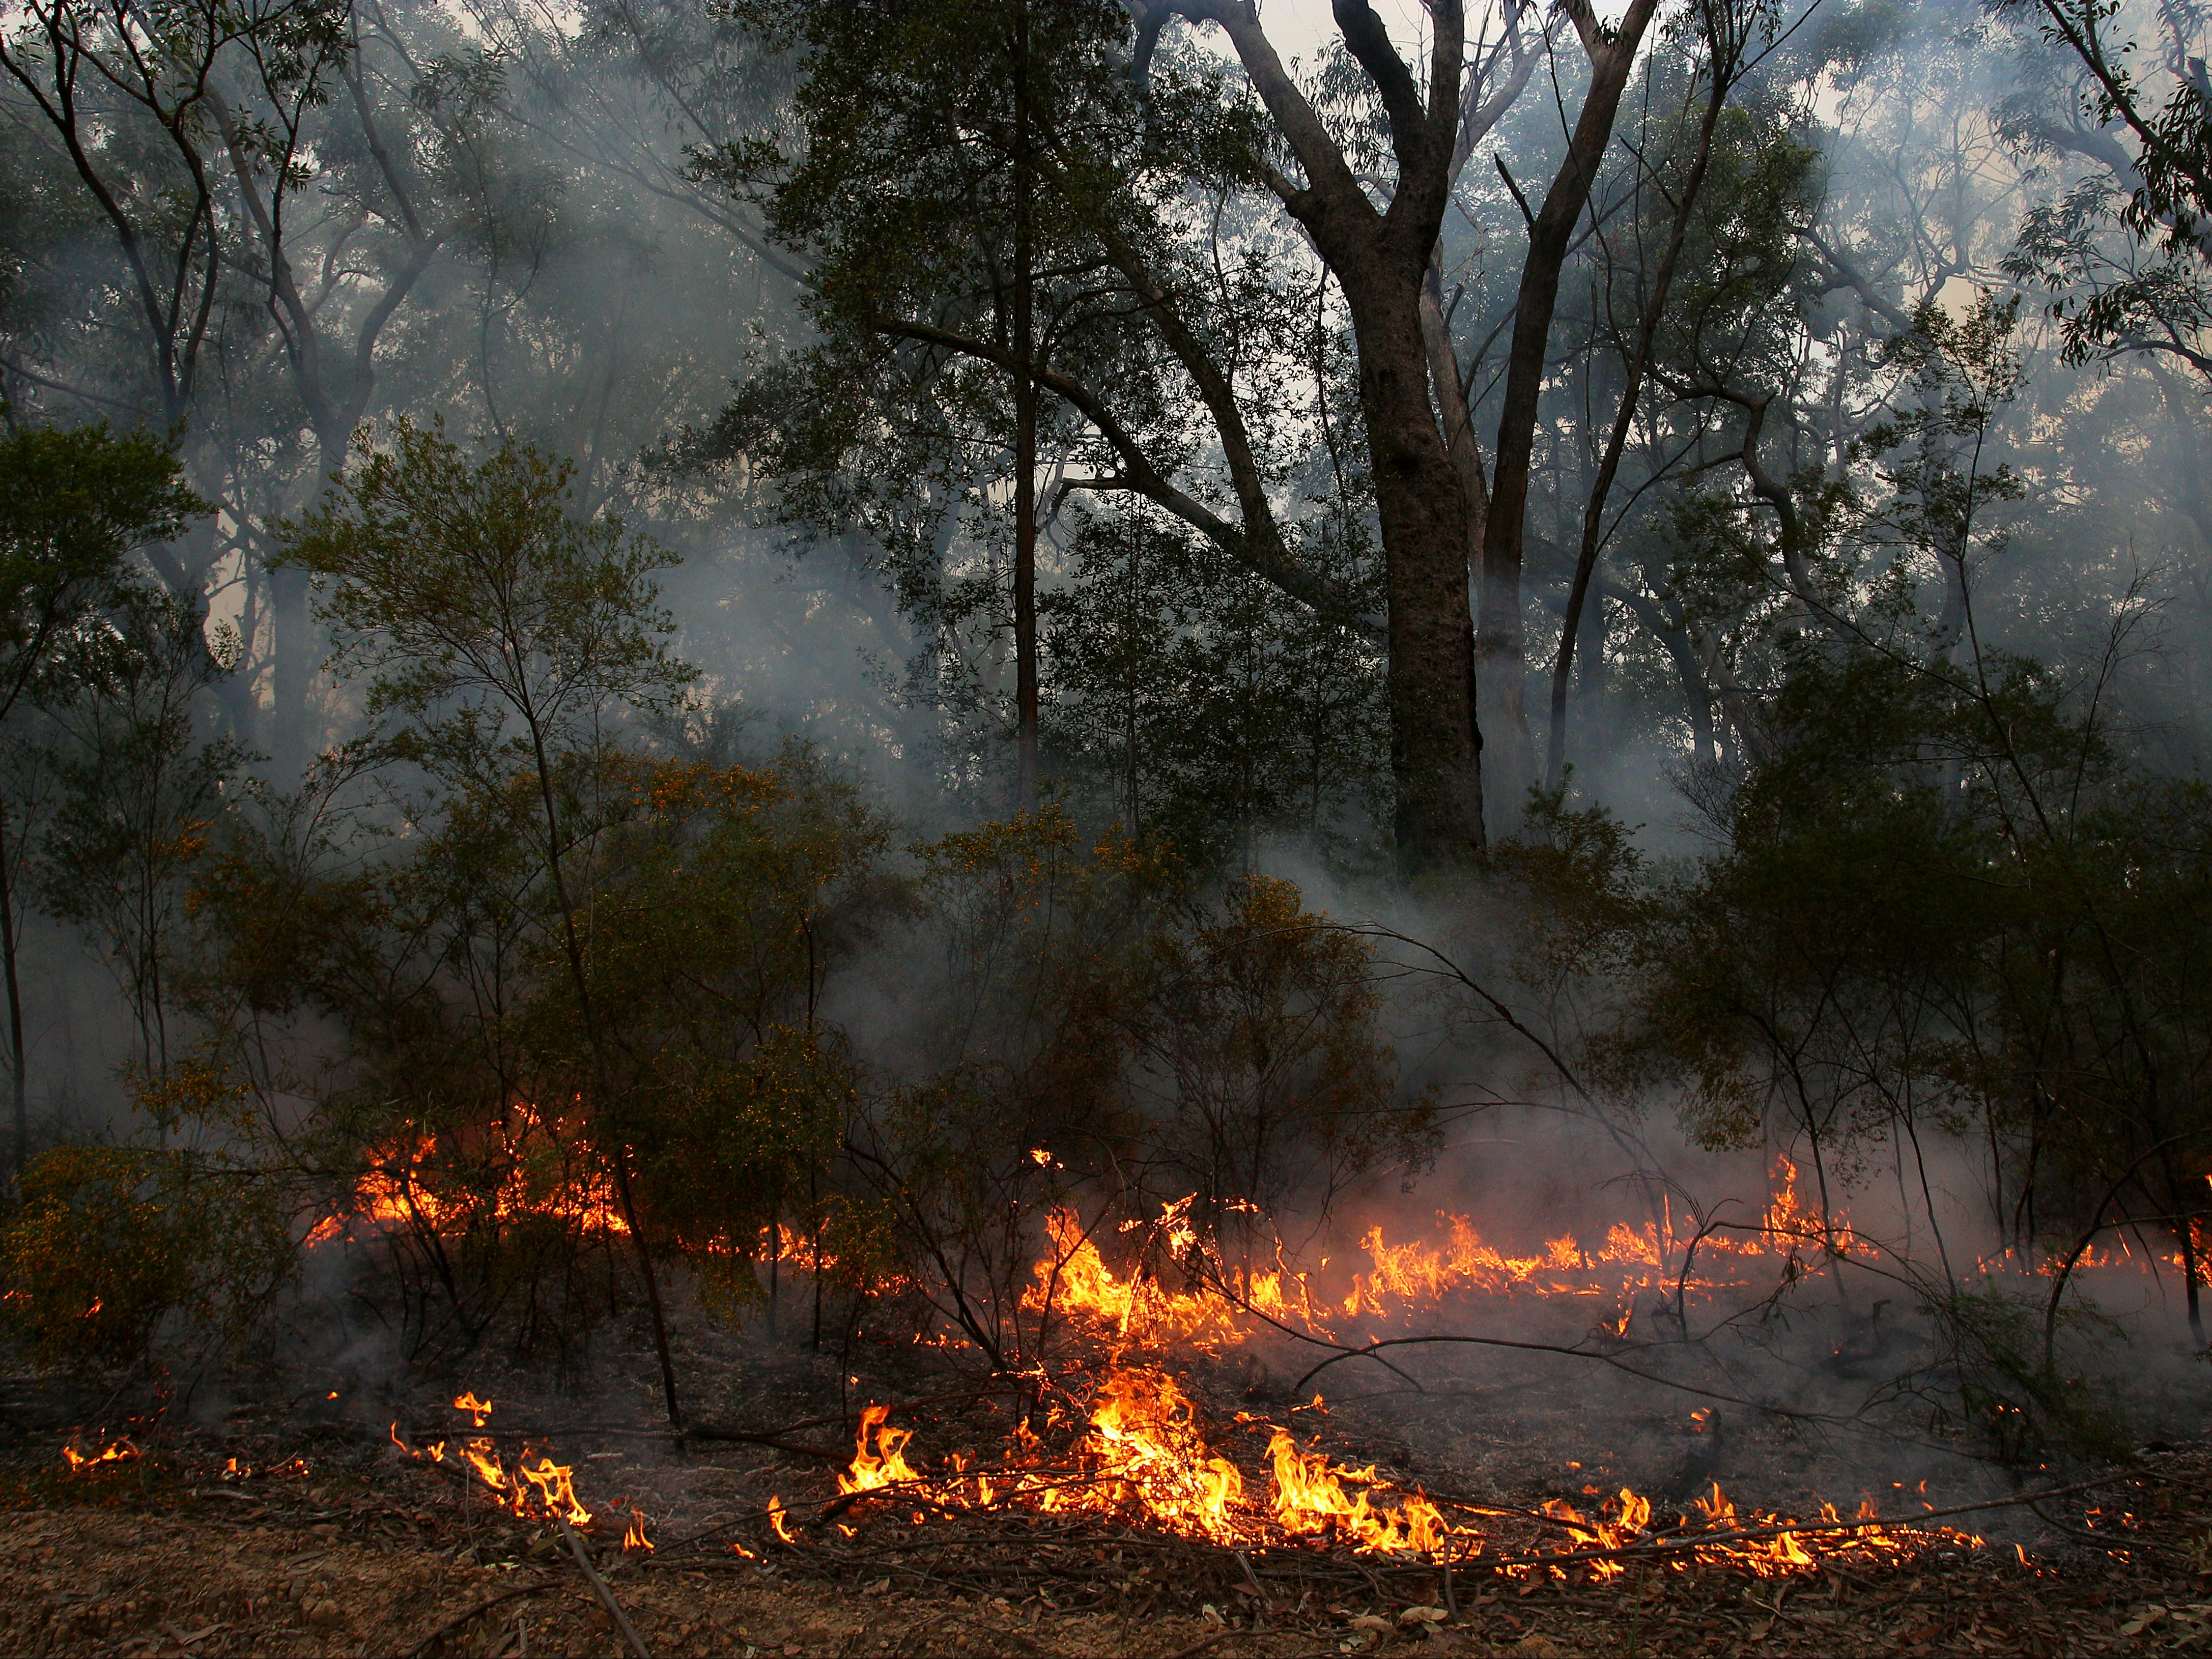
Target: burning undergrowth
<point x="1189" y="1454"/>
<point x="1113" y="1280"/>
<point x="1148" y="1518"/>
<point x="1158" y="1399"/>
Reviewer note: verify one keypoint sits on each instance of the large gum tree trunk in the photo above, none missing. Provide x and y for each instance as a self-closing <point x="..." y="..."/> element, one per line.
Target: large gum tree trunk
<point x="1435" y="753"/>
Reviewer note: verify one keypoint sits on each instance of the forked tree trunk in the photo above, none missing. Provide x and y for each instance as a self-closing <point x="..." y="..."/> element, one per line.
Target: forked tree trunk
<point x="1501" y="656"/>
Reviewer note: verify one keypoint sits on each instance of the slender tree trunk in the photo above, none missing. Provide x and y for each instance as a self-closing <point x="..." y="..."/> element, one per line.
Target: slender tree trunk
<point x="619" y="1151"/>
<point x="1655" y="311"/>
<point x="1501" y="655"/>
<point x="295" y="735"/>
<point x="1025" y="419"/>
<point x="17" y="1076"/>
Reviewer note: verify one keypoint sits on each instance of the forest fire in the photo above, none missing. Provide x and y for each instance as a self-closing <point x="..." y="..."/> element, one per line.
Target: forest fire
<point x="402" y="1190"/>
<point x="1223" y="1305"/>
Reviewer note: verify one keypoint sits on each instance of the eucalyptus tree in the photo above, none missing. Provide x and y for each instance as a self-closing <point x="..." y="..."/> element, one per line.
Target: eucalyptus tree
<point x="130" y="94"/>
<point x="2125" y="91"/>
<point x="501" y="634"/>
<point x="1157" y="166"/>
<point x="74" y="505"/>
<point x="278" y="178"/>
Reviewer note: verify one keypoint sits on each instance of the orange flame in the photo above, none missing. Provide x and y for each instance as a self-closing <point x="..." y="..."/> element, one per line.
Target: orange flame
<point x="1310" y="1498"/>
<point x="116" y="1451"/>
<point x="1145" y="1443"/>
<point x="776" y="1519"/>
<point x="873" y="1469"/>
<point x="554" y="1485"/>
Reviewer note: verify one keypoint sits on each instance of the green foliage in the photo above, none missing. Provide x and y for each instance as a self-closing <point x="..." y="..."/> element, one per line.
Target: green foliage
<point x="120" y="797"/>
<point x="110" y="1242"/>
<point x="728" y="899"/>
<point x="140" y="792"/>
<point x="1205" y="709"/>
<point x="486" y="616"/>
<point x="1260" y="712"/>
<point x="75" y="504"/>
<point x="2156" y="295"/>
<point x="1262" y="1069"/>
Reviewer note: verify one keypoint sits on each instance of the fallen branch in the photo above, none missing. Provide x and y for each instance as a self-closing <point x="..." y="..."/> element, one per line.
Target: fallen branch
<point x="599" y="1587"/>
<point x="469" y="1475"/>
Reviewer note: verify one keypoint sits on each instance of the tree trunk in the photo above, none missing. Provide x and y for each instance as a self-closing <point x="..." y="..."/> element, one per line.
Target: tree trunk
<point x="1436" y="749"/>
<point x="1501" y="659"/>
<point x="1025" y="421"/>
<point x="291" y="736"/>
<point x="18" y="1076"/>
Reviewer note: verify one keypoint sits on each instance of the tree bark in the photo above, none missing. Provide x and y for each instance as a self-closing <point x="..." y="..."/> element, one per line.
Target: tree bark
<point x="1436" y="748"/>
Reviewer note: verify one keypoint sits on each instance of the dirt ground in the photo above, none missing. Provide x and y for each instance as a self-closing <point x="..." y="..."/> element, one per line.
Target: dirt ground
<point x="348" y="1549"/>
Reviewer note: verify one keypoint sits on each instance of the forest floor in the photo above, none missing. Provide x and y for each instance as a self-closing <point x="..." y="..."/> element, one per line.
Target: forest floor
<point x="272" y="1512"/>
<point x="328" y="1541"/>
